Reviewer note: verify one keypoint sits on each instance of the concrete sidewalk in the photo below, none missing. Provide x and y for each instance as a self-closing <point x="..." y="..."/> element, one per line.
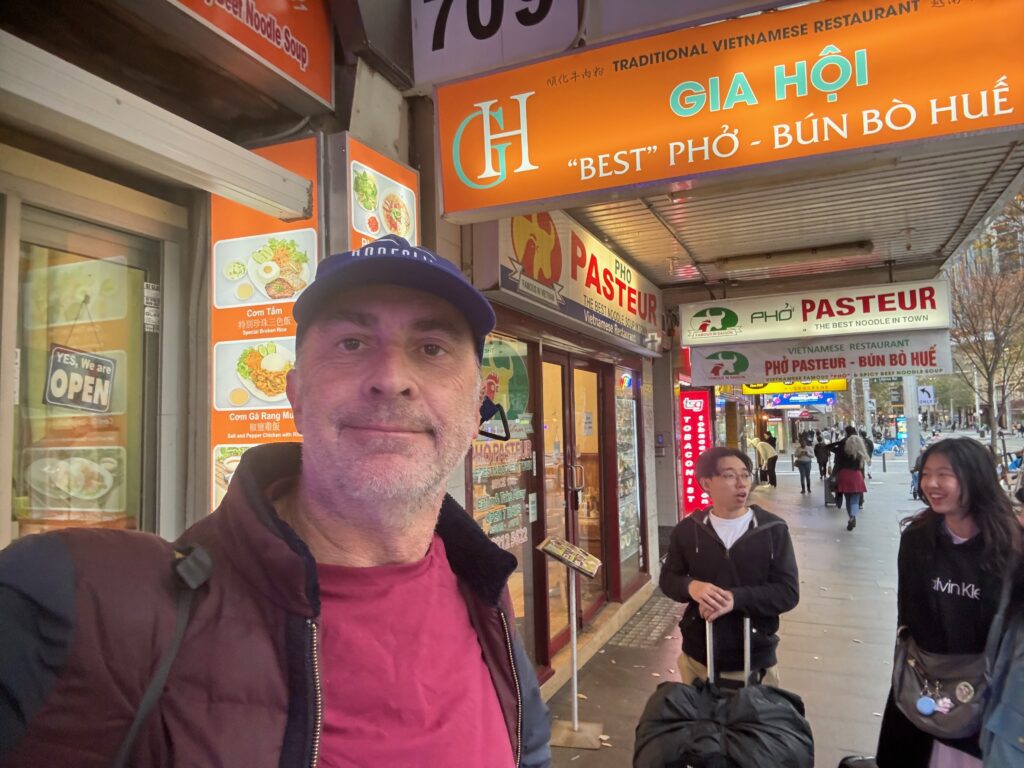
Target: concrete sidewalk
<point x="836" y="646"/>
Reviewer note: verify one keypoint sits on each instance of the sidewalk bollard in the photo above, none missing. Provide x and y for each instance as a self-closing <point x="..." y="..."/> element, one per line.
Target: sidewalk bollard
<point x="883" y="461"/>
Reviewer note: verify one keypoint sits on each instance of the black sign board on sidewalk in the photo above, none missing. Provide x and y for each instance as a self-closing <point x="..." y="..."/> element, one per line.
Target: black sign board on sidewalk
<point x="79" y="380"/>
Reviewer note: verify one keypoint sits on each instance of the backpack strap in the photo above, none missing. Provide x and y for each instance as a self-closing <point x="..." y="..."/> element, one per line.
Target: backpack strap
<point x="192" y="567"/>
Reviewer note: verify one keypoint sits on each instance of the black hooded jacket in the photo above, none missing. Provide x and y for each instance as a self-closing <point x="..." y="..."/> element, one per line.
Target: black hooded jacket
<point x="760" y="570"/>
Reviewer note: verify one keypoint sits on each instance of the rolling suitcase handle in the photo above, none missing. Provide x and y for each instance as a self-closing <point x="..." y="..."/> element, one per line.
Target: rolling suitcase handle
<point x="710" y="640"/>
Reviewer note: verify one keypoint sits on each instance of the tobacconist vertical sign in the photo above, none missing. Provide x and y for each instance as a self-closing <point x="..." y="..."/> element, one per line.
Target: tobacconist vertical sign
<point x="694" y="438"/>
<point x="260" y="266"/>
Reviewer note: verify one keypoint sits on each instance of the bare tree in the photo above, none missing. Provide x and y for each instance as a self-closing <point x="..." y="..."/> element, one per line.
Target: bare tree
<point x="988" y="328"/>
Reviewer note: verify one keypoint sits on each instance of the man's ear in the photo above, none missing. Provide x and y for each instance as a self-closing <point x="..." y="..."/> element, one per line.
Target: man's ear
<point x="703" y="483"/>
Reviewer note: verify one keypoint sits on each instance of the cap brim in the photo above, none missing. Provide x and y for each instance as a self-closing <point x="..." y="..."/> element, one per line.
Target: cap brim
<point x="325" y="292"/>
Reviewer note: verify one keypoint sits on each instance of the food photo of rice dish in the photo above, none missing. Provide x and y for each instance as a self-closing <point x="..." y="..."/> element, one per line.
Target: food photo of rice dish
<point x="275" y="266"/>
<point x="263" y="369"/>
<point x="279" y="269"/>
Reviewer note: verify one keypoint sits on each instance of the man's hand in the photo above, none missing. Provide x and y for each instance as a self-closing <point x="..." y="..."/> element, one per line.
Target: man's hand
<point x="711" y="615"/>
<point x="713" y="600"/>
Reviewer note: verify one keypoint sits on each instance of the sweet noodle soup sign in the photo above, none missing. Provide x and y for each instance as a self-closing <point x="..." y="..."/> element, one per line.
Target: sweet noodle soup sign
<point x="809" y="314"/>
<point x="79" y="380"/>
<point x="819" y="79"/>
<point x="548" y="259"/>
<point x="917" y="353"/>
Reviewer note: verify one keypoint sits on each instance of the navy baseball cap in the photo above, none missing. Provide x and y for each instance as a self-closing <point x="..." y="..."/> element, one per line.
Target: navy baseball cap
<point x="395" y="261"/>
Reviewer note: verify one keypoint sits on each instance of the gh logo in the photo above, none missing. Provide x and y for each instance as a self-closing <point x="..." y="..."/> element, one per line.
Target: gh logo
<point x="486" y="116"/>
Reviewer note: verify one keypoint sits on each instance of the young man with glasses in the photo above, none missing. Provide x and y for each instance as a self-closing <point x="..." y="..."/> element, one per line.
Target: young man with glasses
<point x="730" y="560"/>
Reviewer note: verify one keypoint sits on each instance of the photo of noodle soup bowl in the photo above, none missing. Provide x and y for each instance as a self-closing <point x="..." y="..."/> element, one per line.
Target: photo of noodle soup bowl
<point x="252" y="374"/>
<point x="87" y="480"/>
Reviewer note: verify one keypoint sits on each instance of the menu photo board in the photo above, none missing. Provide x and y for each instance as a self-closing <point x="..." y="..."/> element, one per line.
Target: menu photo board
<point x="259" y="268"/>
<point x="379" y="196"/>
<point x="695" y="437"/>
<point x="578" y="559"/>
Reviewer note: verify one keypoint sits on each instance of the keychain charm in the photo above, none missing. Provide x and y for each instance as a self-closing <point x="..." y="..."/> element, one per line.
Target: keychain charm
<point x="944" y="705"/>
<point x="964" y="692"/>
<point x="926" y="706"/>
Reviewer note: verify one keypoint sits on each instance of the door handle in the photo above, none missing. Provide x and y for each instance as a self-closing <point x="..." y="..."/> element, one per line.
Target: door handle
<point x="574" y="484"/>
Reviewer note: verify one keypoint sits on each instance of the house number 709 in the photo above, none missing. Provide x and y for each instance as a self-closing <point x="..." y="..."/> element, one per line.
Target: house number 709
<point x="480" y="29"/>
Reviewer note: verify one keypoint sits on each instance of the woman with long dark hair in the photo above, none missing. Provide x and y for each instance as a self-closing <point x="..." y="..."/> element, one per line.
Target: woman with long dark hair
<point x="954" y="557"/>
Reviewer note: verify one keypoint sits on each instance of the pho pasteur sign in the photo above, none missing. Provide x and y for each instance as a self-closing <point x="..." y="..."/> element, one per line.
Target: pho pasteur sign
<point x="551" y="261"/>
<point x="809" y="81"/>
<point x="901" y="354"/>
<point x="864" y="309"/>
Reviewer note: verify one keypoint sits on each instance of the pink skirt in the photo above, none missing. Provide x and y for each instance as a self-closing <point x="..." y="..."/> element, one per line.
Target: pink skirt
<point x="850" y="481"/>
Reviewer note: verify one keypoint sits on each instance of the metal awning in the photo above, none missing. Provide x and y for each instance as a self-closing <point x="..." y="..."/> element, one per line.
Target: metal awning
<point x="45" y="95"/>
<point x="893" y="214"/>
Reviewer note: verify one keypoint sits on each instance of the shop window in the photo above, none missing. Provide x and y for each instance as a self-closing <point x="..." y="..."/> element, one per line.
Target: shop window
<point x="504" y="503"/>
<point x="83" y="443"/>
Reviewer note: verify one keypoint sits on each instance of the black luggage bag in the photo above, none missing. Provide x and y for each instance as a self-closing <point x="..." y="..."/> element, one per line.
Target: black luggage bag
<point x="830" y="485"/>
<point x="707" y="726"/>
<point x="830" y="496"/>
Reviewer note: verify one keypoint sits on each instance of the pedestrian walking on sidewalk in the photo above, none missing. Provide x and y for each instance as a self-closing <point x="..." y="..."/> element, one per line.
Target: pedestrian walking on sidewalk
<point x="870" y="448"/>
<point x="728" y="561"/>
<point x="822" y="454"/>
<point x="803" y="457"/>
<point x="353" y="614"/>
<point x="767" y="458"/>
<point x="851" y="458"/>
<point x="953" y="559"/>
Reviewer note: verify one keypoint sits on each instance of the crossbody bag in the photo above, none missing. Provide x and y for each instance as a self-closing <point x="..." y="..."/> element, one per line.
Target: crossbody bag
<point x="944" y="694"/>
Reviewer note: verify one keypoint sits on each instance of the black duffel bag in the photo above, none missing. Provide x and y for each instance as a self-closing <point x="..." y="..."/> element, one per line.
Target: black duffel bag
<point x="706" y="726"/>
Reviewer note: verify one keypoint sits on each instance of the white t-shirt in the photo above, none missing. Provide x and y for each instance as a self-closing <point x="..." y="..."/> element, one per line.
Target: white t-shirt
<point x="729" y="530"/>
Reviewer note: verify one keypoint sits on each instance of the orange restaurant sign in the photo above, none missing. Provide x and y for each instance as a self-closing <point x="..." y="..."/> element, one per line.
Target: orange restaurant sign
<point x="828" y="77"/>
<point x="260" y="266"/>
<point x="292" y="38"/>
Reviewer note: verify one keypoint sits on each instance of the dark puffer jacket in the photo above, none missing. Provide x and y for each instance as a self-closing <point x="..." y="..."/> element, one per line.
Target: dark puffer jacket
<point x="760" y="570"/>
<point x="86" y="615"/>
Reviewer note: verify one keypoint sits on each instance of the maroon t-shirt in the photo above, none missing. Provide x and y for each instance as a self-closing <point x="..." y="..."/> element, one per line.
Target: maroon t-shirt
<point x="403" y="677"/>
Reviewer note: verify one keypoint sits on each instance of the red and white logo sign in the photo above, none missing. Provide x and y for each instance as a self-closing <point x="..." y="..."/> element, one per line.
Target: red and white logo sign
<point x="695" y="438"/>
